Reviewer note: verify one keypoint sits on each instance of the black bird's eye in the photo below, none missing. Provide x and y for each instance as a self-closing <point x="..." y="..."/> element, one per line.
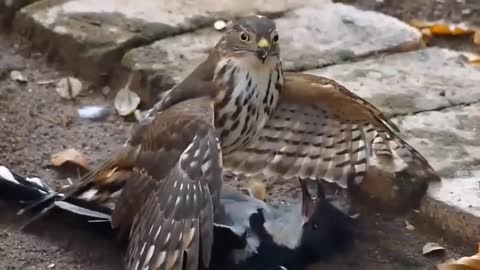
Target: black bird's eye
<point x="275" y="38"/>
<point x="314" y="226"/>
<point x="244" y="37"/>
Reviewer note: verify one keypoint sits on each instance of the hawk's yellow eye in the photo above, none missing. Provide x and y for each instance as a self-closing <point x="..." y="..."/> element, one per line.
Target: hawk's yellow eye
<point x="244" y="37"/>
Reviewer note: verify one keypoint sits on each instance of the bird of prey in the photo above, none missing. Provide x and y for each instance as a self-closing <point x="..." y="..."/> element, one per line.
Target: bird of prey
<point x="249" y="235"/>
<point x="237" y="112"/>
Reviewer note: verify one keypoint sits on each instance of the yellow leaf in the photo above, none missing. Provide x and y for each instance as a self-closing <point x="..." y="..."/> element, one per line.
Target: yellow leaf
<point x="441" y="28"/>
<point x="475" y="62"/>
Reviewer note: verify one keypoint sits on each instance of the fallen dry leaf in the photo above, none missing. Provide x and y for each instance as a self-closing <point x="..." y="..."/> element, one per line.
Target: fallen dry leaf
<point x="431" y="247"/>
<point x="476" y="37"/>
<point x="442" y="28"/>
<point x="69" y="87"/>
<point x="475" y="62"/>
<point x="16" y="75"/>
<point x="69" y="155"/>
<point x="126" y="101"/>
<point x="465" y="263"/>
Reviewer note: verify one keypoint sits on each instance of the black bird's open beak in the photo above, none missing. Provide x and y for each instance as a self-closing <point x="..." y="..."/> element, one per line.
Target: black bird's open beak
<point x="263" y="49"/>
<point x="312" y="196"/>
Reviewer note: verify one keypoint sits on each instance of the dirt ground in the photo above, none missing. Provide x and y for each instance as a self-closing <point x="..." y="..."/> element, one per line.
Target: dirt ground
<point x="35" y="122"/>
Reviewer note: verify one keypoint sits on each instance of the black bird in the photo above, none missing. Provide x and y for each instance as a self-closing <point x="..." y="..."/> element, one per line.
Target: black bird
<point x="249" y="234"/>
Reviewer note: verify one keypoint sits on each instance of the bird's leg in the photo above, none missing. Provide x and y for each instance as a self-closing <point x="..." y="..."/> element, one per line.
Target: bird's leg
<point x="257" y="222"/>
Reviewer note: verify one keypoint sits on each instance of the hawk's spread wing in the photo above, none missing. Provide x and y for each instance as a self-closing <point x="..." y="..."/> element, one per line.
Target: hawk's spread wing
<point x="321" y="130"/>
<point x="169" y="213"/>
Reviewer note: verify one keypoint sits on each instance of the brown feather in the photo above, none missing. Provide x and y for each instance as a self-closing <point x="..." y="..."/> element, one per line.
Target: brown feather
<point x="319" y="129"/>
<point x="169" y="201"/>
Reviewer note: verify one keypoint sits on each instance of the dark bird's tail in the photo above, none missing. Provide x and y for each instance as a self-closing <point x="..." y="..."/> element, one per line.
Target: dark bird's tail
<point x="38" y="198"/>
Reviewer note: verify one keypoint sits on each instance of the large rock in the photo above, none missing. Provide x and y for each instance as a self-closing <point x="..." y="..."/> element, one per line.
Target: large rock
<point x="310" y="37"/>
<point x="90" y="36"/>
<point x="410" y="82"/>
<point x="450" y="140"/>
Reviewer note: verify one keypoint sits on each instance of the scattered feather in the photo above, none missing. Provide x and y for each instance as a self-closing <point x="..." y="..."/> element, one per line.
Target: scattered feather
<point x="71" y="156"/>
<point x="140" y="116"/>
<point x="16" y="75"/>
<point x="69" y="87"/>
<point x="220" y="25"/>
<point x="6" y="174"/>
<point x="46" y="82"/>
<point x="409" y="226"/>
<point x="93" y="112"/>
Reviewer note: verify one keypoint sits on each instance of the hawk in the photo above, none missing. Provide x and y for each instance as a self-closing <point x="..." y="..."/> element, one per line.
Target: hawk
<point x="238" y="112"/>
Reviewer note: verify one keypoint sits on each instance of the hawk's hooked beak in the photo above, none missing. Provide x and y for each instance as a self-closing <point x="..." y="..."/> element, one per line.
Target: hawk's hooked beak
<point x="263" y="48"/>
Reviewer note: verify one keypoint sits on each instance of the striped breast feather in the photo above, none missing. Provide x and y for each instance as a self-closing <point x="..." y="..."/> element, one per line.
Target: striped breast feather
<point x="321" y="130"/>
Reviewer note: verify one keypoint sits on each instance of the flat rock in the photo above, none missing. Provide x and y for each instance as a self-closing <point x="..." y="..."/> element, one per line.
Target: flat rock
<point x="410" y="82"/>
<point x="454" y="206"/>
<point x="90" y="36"/>
<point x="450" y="141"/>
<point x="310" y="37"/>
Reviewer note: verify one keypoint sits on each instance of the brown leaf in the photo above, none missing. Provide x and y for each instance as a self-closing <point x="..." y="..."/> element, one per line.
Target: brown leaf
<point x="70" y="155"/>
<point x="431" y="247"/>
<point x="476" y="37"/>
<point x="475" y="62"/>
<point x="465" y="263"/>
<point x="69" y="87"/>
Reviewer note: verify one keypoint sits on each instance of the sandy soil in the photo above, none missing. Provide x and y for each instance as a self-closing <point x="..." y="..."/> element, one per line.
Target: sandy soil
<point x="35" y="122"/>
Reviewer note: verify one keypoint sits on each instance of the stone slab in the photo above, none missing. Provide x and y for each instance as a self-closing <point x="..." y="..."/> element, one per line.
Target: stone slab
<point x="309" y="36"/>
<point x="90" y="36"/>
<point x="450" y="140"/>
<point x="454" y="207"/>
<point x="410" y="82"/>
